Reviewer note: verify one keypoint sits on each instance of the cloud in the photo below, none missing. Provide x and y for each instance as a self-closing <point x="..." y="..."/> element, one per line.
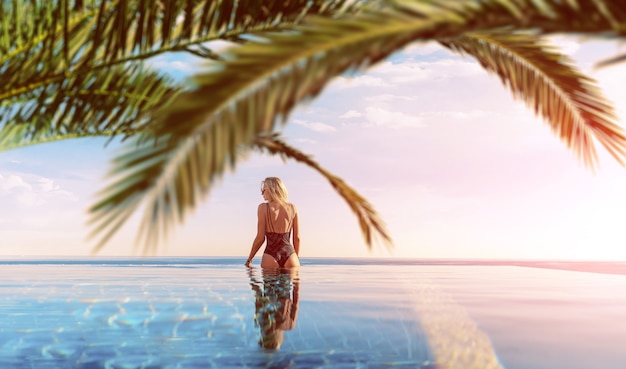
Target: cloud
<point x="389" y="98"/>
<point x="366" y="80"/>
<point x="382" y="115"/>
<point x="394" y="119"/>
<point x="392" y="73"/>
<point x="351" y="114"/>
<point x="12" y="184"/>
<point x="30" y="192"/>
<point x="462" y="115"/>
<point x="315" y="126"/>
<point x="414" y="71"/>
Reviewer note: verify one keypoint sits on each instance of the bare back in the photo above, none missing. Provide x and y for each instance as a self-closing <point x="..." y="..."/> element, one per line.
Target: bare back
<point x="280" y="217"/>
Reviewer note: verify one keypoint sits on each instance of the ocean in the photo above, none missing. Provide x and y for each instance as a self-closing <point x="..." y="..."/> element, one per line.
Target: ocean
<point x="180" y="313"/>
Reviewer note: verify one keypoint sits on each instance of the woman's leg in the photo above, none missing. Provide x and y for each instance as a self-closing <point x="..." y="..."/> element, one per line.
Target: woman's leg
<point x="293" y="261"/>
<point x="268" y="262"/>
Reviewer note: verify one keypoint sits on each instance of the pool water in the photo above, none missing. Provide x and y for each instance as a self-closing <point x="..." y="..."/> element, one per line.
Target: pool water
<point x="331" y="314"/>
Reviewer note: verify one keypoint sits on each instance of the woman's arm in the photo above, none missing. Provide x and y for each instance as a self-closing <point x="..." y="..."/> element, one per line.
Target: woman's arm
<point x="260" y="233"/>
<point x="296" y="232"/>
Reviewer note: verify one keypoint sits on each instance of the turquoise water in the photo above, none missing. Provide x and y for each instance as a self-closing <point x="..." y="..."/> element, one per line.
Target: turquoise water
<point x="332" y="314"/>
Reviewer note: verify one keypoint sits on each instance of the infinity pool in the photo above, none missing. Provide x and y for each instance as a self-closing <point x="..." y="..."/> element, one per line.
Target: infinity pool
<point x="332" y="314"/>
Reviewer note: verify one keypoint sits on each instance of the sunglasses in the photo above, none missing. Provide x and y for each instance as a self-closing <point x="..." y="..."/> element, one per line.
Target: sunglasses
<point x="263" y="190"/>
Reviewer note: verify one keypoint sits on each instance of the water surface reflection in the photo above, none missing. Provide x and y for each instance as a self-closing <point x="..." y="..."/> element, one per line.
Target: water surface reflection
<point x="277" y="298"/>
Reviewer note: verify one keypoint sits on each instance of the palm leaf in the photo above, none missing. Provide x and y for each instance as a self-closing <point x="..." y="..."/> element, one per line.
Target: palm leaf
<point x="136" y="175"/>
<point x="47" y="40"/>
<point x="50" y="51"/>
<point x="118" y="99"/>
<point x="364" y="211"/>
<point x="15" y="136"/>
<point x="150" y="24"/>
<point x="203" y="130"/>
<point x="549" y="83"/>
<point x="121" y="27"/>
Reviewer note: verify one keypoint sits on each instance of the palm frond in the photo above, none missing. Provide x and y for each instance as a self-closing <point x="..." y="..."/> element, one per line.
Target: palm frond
<point x="364" y="211"/>
<point x="550" y="84"/>
<point x="50" y="52"/>
<point x="15" y="136"/>
<point x="258" y="83"/>
<point x="119" y="99"/>
<point x="131" y="26"/>
<point x="66" y="36"/>
<point x="143" y="170"/>
<point x="605" y="18"/>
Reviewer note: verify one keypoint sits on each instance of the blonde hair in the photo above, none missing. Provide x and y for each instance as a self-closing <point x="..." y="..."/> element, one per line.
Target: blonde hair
<point x="276" y="189"/>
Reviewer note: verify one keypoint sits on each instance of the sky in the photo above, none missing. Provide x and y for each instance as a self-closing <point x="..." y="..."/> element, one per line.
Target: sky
<point x="453" y="164"/>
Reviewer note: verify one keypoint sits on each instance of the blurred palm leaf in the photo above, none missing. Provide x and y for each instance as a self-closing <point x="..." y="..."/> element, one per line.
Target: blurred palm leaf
<point x="121" y="199"/>
<point x="550" y="84"/>
<point x="110" y="32"/>
<point x="66" y="55"/>
<point x="257" y="84"/>
<point x="118" y="99"/>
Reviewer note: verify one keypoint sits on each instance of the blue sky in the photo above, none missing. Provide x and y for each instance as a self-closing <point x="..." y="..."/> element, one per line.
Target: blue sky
<point x="455" y="166"/>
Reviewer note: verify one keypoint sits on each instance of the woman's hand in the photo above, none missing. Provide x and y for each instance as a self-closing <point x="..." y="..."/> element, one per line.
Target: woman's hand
<point x="248" y="263"/>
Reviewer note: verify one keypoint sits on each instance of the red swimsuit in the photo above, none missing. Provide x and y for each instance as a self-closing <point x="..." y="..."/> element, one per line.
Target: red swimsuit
<point x="278" y="245"/>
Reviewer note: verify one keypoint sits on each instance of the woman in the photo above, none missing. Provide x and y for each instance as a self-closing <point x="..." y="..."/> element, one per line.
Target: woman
<point x="276" y="220"/>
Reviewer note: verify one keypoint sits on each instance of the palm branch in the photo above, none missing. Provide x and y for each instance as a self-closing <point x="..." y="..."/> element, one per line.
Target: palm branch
<point x="118" y="99"/>
<point x="67" y="55"/>
<point x="549" y="83"/>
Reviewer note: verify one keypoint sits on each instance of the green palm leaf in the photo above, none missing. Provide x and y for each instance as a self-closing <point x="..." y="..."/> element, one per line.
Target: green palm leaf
<point x="121" y="199"/>
<point x="51" y="51"/>
<point x="129" y="26"/>
<point x="204" y="130"/>
<point x="550" y="84"/>
<point x="118" y="99"/>
<point x="53" y="38"/>
<point x="144" y="170"/>
<point x="364" y="211"/>
<point x="13" y="137"/>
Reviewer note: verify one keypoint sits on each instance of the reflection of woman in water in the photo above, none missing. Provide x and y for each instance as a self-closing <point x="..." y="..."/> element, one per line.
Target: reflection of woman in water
<point x="276" y="304"/>
<point x="276" y="220"/>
